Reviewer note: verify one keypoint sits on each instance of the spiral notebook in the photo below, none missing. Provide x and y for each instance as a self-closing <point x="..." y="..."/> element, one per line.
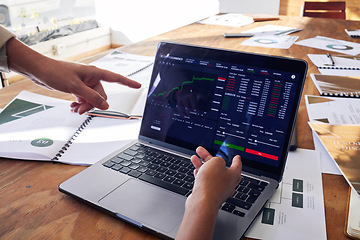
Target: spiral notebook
<point x="337" y="86"/>
<point x="339" y="65"/>
<point x="353" y="33"/>
<point x="36" y="127"/>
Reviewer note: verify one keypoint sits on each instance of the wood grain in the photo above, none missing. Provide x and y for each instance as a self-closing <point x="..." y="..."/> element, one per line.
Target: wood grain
<point x="31" y="207"/>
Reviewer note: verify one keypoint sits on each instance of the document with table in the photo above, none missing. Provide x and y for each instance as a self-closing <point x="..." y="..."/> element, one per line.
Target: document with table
<point x="296" y="211"/>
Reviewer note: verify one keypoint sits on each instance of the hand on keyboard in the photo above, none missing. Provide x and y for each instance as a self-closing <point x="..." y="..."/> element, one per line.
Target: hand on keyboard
<point x="214" y="183"/>
<point x="212" y="178"/>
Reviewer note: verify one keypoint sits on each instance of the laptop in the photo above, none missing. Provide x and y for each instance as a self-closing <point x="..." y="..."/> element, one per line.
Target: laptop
<point x="226" y="101"/>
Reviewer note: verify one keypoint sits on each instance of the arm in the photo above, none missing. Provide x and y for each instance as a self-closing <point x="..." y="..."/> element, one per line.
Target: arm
<point x="214" y="183"/>
<point x="82" y="81"/>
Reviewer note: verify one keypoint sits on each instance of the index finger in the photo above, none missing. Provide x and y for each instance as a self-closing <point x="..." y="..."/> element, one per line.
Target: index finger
<point x="108" y="76"/>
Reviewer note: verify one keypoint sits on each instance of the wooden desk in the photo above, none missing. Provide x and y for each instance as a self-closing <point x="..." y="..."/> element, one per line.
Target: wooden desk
<point x="31" y="207"/>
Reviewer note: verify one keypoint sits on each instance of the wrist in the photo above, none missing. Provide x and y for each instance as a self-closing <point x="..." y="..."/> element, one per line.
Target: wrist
<point x="202" y="202"/>
<point x="199" y="218"/>
<point x="206" y="195"/>
<point x="23" y="59"/>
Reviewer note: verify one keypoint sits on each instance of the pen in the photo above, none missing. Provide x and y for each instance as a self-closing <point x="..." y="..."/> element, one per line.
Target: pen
<point x="237" y="35"/>
<point x="331" y="59"/>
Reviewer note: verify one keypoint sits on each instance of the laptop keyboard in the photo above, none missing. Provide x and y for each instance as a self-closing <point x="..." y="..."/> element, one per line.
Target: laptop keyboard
<point x="160" y="168"/>
<point x="245" y="195"/>
<point x="175" y="174"/>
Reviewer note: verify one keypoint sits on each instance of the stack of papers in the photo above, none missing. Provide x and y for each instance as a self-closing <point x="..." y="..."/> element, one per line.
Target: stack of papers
<point x="336" y="125"/>
<point x="330" y="85"/>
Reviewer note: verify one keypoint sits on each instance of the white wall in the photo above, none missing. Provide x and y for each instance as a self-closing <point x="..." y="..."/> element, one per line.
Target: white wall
<point x="250" y="6"/>
<point x="135" y="20"/>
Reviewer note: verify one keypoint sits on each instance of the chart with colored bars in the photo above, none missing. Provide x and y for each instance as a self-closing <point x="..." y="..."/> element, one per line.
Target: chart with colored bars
<point x="253" y="107"/>
<point x="237" y="110"/>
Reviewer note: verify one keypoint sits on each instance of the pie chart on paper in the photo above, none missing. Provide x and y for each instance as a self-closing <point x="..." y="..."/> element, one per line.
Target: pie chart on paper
<point x="339" y="47"/>
<point x="266" y="41"/>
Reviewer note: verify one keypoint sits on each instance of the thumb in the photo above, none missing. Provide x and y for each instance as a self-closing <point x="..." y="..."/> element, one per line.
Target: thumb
<point x="236" y="167"/>
<point x="92" y="96"/>
<point x="236" y="163"/>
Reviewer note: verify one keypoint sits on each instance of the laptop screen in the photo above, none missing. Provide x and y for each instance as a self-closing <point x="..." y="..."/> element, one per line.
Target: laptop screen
<point x="228" y="102"/>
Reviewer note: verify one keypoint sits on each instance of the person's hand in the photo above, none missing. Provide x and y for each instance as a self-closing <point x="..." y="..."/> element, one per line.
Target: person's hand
<point x="83" y="81"/>
<point x="214" y="183"/>
<point x="212" y="178"/>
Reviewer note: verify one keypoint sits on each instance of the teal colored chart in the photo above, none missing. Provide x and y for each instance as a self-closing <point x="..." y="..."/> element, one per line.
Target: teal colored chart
<point x="19" y="109"/>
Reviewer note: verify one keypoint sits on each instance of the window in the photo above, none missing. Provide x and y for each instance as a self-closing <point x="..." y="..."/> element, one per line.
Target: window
<point x="27" y="16"/>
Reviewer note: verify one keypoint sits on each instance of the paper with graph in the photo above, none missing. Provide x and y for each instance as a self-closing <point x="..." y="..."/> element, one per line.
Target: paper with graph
<point x="36" y="127"/>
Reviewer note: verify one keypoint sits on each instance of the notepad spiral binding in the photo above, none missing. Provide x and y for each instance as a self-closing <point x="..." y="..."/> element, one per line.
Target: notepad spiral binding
<point x="72" y="139"/>
<point x="139" y="70"/>
<point x="340" y="68"/>
<point x="349" y="95"/>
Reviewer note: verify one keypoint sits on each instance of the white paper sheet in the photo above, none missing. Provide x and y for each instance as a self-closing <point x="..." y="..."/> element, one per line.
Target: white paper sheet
<point x="272" y="30"/>
<point x="333" y="110"/>
<point x="229" y="19"/>
<point x="102" y="137"/>
<point x="123" y="99"/>
<point x="126" y="64"/>
<point x="330" y="44"/>
<point x="295" y="219"/>
<point x="271" y="41"/>
<point x="341" y="65"/>
<point x="322" y="60"/>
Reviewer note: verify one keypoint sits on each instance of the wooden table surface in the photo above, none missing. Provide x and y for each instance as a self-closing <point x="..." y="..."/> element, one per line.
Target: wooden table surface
<point x="31" y="207"/>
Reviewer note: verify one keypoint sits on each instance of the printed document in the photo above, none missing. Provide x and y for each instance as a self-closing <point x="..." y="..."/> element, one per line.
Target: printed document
<point x="296" y="210"/>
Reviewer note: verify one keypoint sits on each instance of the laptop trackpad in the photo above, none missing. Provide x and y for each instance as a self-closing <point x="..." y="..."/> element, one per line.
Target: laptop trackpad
<point x="146" y="204"/>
